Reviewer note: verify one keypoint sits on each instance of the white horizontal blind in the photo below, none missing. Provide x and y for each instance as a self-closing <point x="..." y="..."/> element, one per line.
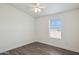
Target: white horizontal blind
<point x="54" y="28"/>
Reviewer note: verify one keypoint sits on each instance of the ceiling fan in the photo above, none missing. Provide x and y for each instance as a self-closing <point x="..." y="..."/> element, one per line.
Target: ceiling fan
<point x="36" y="7"/>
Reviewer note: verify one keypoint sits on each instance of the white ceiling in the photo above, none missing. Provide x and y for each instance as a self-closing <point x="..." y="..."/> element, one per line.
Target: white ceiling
<point x="51" y="8"/>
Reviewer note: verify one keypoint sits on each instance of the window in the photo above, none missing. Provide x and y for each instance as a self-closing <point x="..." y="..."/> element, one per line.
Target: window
<point x="55" y="28"/>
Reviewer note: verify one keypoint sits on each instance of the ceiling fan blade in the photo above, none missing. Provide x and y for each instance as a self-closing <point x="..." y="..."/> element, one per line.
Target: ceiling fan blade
<point x="36" y="7"/>
<point x="42" y="7"/>
<point x="31" y="6"/>
<point x="37" y="4"/>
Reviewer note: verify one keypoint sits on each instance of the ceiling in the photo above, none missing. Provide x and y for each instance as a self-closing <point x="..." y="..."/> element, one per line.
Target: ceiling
<point x="51" y="8"/>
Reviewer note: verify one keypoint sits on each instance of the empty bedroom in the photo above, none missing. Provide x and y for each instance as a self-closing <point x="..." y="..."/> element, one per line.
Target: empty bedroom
<point x="39" y="28"/>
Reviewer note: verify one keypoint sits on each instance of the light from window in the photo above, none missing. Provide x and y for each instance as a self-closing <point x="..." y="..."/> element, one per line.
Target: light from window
<point x="55" y="28"/>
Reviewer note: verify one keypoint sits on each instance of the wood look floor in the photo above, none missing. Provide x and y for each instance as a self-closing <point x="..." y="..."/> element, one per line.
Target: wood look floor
<point x="39" y="49"/>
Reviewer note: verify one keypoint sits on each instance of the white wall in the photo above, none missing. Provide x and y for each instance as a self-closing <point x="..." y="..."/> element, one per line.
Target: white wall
<point x="70" y="30"/>
<point x="16" y="28"/>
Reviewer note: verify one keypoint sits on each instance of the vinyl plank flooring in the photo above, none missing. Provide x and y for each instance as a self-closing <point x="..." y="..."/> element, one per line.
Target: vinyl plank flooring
<point x="37" y="48"/>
